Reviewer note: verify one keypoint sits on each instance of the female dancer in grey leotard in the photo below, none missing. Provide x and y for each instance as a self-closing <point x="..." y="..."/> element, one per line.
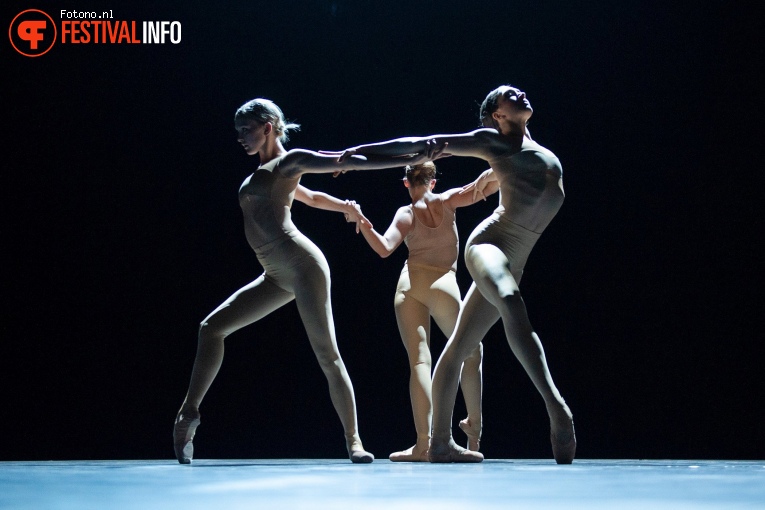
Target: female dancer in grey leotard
<point x="294" y="269"/>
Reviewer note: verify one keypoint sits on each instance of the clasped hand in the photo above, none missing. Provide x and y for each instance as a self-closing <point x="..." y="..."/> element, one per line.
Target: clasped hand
<point x="353" y="214"/>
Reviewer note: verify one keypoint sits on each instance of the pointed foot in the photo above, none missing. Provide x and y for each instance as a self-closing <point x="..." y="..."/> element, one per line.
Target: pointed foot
<point x="473" y="434"/>
<point x="564" y="445"/>
<point x="186" y="424"/>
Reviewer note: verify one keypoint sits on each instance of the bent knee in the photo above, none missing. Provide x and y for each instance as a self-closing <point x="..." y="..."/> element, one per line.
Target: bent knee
<point x="328" y="357"/>
<point x="495" y="276"/>
<point x="208" y="331"/>
<point x="476" y="355"/>
<point x="331" y="366"/>
<point x="501" y="287"/>
<point x="509" y="292"/>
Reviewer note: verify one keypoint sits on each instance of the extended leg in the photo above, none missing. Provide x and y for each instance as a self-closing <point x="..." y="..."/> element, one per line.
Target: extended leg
<point x="312" y="295"/>
<point x="244" y="307"/>
<point x="492" y="275"/>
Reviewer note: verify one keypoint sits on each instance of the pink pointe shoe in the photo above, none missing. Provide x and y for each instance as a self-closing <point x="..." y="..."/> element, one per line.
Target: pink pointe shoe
<point x="409" y="455"/>
<point x="473" y="437"/>
<point x="186" y="424"/>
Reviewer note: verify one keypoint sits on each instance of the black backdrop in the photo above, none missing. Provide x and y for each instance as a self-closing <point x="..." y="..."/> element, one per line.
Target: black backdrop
<point x="121" y="229"/>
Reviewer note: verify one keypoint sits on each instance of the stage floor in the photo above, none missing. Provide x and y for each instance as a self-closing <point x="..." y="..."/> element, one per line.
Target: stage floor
<point x="316" y="484"/>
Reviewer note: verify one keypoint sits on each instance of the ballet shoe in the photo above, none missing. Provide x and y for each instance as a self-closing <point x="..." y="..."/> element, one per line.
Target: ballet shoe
<point x="186" y="424"/>
<point x="361" y="457"/>
<point x="564" y="446"/>
<point x="356" y="451"/>
<point x="408" y="455"/>
<point x="473" y="439"/>
<point x="451" y="452"/>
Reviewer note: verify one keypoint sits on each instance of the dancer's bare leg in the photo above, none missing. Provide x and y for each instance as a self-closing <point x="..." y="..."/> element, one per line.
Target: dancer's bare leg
<point x="491" y="272"/>
<point x="471" y="382"/>
<point x="312" y="295"/>
<point x="413" y="320"/>
<point x="245" y="306"/>
<point x="475" y="319"/>
<point x="445" y="314"/>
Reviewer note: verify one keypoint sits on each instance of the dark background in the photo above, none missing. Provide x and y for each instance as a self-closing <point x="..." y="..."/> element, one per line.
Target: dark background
<point x="121" y="228"/>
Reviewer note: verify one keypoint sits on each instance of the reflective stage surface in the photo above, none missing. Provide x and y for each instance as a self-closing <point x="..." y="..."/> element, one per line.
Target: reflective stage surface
<point x="316" y="484"/>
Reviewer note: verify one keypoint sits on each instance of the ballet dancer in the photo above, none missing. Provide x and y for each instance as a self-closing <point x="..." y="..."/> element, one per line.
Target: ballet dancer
<point x="427" y="287"/>
<point x="530" y="181"/>
<point x="294" y="268"/>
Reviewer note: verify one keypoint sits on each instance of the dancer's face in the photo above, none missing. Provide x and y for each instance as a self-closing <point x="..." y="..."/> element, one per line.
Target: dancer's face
<point x="516" y="97"/>
<point x="512" y="106"/>
<point x="252" y="135"/>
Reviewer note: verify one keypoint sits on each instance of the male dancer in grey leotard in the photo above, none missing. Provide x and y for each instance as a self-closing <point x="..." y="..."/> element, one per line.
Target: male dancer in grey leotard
<point x="531" y="193"/>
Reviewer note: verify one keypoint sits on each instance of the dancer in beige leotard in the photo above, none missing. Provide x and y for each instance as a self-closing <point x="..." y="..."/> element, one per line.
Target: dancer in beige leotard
<point x="294" y="268"/>
<point x="427" y="287"/>
<point x="531" y="193"/>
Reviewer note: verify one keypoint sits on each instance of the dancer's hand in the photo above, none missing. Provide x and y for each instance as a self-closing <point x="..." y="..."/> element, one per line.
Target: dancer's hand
<point x="350" y="213"/>
<point x="339" y="156"/>
<point x="347" y="153"/>
<point x="433" y="150"/>
<point x="477" y="186"/>
<point x="342" y="156"/>
<point x="353" y="214"/>
<point x="437" y="150"/>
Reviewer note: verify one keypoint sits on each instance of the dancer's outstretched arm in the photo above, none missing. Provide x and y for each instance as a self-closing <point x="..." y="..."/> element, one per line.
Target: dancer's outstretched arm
<point x="481" y="143"/>
<point x="385" y="244"/>
<point x="321" y="200"/>
<point x="300" y="161"/>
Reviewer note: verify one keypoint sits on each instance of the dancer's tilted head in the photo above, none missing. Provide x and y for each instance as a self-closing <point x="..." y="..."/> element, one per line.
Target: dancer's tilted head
<point x="264" y="111"/>
<point x="505" y="103"/>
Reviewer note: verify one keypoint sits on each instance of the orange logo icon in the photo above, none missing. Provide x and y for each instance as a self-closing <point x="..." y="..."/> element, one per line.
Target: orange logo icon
<point x="32" y="33"/>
